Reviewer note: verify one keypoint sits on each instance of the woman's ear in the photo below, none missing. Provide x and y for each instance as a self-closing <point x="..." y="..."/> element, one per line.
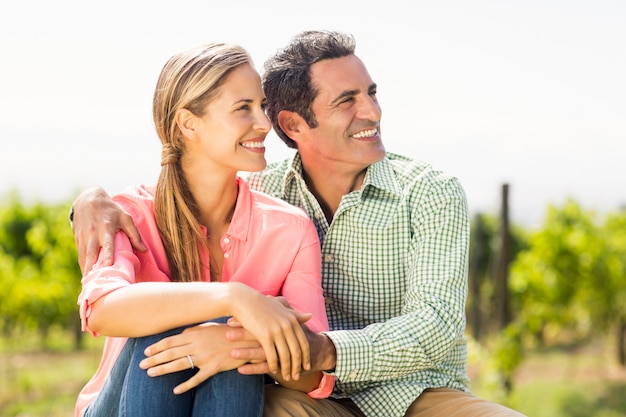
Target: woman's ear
<point x="185" y="122"/>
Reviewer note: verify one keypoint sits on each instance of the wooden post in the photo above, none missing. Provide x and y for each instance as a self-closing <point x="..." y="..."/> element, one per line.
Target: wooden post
<point x="503" y="313"/>
<point x="477" y="270"/>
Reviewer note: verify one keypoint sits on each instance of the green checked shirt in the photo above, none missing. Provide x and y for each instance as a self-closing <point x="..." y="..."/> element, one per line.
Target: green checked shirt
<point x="394" y="273"/>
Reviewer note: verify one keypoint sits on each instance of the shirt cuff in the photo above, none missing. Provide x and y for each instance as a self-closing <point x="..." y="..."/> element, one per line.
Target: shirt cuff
<point x="355" y="353"/>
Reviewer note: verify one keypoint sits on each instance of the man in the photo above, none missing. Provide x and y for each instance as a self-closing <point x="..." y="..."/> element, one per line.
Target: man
<point x="394" y="234"/>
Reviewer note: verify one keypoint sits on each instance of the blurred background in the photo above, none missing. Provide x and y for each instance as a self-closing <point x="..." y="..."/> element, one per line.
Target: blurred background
<point x="526" y="92"/>
<point x="524" y="101"/>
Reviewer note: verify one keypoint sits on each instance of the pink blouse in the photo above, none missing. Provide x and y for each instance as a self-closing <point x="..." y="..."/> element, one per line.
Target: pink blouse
<point x="270" y="245"/>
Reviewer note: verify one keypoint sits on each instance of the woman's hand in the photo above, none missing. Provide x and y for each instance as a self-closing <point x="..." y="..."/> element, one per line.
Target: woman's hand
<point x="208" y="348"/>
<point x="277" y="328"/>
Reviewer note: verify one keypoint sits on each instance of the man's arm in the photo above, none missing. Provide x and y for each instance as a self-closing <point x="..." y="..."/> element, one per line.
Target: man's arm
<point x="95" y="219"/>
<point x="427" y="333"/>
<point x="322" y="350"/>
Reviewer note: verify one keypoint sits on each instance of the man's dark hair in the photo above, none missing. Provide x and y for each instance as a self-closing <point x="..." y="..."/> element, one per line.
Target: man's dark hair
<point x="287" y="80"/>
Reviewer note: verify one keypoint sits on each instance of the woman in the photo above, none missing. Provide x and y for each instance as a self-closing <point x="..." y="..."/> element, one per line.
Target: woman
<point x="215" y="249"/>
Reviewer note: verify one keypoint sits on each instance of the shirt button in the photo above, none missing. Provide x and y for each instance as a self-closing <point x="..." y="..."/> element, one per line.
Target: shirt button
<point x="317" y="216"/>
<point x="353" y="375"/>
<point x="328" y="257"/>
<point x="328" y="300"/>
<point x="226" y="255"/>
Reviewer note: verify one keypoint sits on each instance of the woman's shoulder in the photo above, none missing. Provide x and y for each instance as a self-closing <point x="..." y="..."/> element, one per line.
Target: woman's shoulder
<point x="137" y="200"/>
<point x="138" y="194"/>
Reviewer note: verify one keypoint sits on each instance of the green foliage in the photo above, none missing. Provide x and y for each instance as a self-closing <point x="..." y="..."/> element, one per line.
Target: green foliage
<point x="40" y="273"/>
<point x="546" y="279"/>
<point x="15" y="220"/>
<point x="484" y="256"/>
<point x="608" y="295"/>
<point x="566" y="284"/>
<point x="571" y="278"/>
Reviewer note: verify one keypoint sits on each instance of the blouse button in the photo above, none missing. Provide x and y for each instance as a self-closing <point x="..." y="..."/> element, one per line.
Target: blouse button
<point x="226" y="255"/>
<point x="226" y="240"/>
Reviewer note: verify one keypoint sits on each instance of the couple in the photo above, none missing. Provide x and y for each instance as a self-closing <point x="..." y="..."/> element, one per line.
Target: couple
<point x="242" y="305"/>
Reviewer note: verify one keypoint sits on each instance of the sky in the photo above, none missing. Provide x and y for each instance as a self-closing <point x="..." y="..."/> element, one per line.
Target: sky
<point x="527" y="93"/>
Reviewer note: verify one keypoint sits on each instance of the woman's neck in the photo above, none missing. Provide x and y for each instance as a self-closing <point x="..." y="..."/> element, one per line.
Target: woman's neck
<point x="216" y="202"/>
<point x="216" y="198"/>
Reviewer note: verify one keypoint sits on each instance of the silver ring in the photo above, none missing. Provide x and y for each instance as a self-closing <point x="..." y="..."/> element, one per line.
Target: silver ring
<point x="191" y="362"/>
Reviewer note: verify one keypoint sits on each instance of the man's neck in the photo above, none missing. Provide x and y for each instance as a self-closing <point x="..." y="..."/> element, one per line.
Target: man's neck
<point x="329" y="187"/>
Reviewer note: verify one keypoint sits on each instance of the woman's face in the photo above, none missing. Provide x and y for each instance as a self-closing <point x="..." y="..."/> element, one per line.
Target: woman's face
<point x="234" y="126"/>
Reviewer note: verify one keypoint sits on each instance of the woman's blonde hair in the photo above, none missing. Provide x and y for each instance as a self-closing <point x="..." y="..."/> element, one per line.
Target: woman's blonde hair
<point x="189" y="80"/>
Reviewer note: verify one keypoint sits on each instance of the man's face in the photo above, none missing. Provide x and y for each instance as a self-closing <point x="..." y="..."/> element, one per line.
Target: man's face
<point x="348" y="116"/>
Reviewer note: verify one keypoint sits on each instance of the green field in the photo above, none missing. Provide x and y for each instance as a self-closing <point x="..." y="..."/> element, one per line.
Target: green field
<point x="565" y="382"/>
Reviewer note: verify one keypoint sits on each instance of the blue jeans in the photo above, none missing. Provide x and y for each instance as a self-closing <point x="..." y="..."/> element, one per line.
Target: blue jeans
<point x="130" y="392"/>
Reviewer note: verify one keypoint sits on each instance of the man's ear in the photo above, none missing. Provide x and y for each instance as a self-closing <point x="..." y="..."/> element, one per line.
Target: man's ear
<point x="291" y="123"/>
<point x="185" y="122"/>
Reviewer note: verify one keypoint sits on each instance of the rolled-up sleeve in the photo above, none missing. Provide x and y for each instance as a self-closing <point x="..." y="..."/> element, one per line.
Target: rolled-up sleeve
<point x="103" y="280"/>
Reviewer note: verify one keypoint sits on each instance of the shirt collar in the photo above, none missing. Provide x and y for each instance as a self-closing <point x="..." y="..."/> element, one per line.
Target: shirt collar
<point x="379" y="175"/>
<point x="293" y="173"/>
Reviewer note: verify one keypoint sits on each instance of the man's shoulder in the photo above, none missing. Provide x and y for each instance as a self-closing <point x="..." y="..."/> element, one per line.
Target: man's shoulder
<point x="272" y="178"/>
<point x="274" y="168"/>
<point x="411" y="169"/>
<point x="412" y="172"/>
<point x="268" y="204"/>
<point x="406" y="165"/>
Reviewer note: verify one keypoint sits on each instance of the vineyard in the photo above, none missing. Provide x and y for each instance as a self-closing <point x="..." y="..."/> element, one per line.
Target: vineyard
<point x="538" y="299"/>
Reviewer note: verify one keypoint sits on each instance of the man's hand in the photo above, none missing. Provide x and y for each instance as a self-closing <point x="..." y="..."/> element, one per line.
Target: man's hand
<point x="208" y="348"/>
<point x="322" y="350"/>
<point x="96" y="219"/>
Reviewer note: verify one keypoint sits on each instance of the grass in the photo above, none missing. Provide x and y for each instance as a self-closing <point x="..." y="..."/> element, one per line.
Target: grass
<point x="559" y="382"/>
<point x="582" y="381"/>
<point x="42" y="384"/>
<point x="37" y="381"/>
